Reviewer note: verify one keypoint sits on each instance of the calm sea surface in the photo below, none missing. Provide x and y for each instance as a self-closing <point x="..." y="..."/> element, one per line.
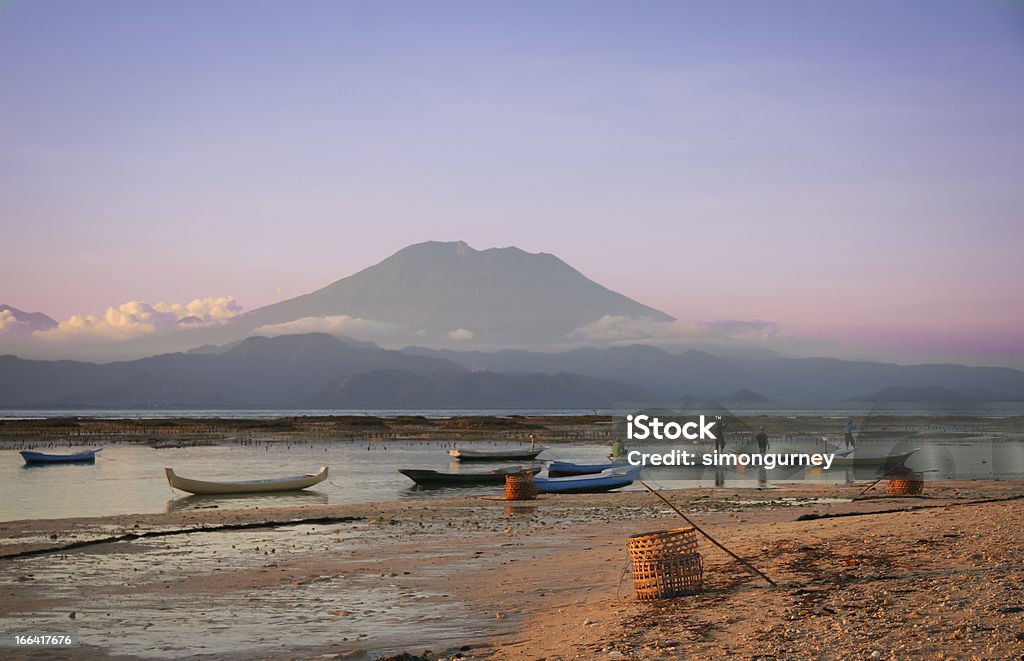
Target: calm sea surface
<point x="840" y="410"/>
<point x="130" y="478"/>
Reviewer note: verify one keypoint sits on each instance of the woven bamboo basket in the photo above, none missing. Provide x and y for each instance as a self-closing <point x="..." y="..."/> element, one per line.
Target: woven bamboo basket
<point x="666" y="564"/>
<point x="908" y="484"/>
<point x="520" y="486"/>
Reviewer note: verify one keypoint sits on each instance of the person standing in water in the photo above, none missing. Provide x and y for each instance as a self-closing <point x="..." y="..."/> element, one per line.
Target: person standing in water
<point x="762" y="440"/>
<point x="850" y="442"/>
<point x="719" y="431"/>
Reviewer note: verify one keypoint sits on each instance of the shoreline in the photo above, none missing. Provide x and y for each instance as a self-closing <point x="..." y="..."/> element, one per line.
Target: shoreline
<point x="539" y="579"/>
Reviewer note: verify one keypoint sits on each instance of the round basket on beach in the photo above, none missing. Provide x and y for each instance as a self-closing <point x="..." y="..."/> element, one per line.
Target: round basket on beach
<point x="666" y="564"/>
<point x="907" y="484"/>
<point x="520" y="486"/>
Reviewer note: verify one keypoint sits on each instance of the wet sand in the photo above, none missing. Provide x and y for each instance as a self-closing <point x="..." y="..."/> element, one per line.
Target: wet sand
<point x="931" y="576"/>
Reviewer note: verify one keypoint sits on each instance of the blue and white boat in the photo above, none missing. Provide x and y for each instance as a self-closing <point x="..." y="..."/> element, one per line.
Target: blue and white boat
<point x="86" y="457"/>
<point x="606" y="480"/>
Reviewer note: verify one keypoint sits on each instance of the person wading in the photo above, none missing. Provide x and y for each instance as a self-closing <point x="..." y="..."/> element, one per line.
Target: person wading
<point x="850" y="442"/>
<point x="719" y="432"/>
<point x="762" y="440"/>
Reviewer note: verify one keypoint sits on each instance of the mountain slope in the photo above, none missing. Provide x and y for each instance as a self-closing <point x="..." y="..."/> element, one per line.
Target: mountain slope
<point x="423" y="293"/>
<point x="500" y="295"/>
<point x="18" y="322"/>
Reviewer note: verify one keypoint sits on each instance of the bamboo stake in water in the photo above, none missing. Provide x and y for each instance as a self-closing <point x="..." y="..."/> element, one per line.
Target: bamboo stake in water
<point x="710" y="538"/>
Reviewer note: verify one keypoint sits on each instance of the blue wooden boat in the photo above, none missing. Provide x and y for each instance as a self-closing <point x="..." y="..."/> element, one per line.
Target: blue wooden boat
<point x="606" y="480"/>
<point x="87" y="457"/>
<point x="567" y="468"/>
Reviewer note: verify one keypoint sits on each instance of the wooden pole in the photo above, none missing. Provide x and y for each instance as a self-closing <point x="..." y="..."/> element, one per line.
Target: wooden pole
<point x="710" y="538"/>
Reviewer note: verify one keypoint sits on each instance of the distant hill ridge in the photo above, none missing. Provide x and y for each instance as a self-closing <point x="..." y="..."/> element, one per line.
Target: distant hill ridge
<point x="292" y="371"/>
<point x="316" y="369"/>
<point x="937" y="394"/>
<point x="700" y="375"/>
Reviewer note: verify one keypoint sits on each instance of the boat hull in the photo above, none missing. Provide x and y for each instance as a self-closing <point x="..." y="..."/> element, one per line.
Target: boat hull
<point x="890" y="461"/>
<point x="607" y="480"/>
<point x="432" y="478"/>
<point x="496" y="455"/>
<point x="567" y="469"/>
<point x="202" y="487"/>
<point x="37" y="458"/>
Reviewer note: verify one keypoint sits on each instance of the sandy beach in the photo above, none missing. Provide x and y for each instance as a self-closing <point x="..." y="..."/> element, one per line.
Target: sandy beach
<point x="935" y="576"/>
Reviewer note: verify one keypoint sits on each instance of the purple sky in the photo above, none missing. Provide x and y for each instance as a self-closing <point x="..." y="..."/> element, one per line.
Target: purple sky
<point x="850" y="171"/>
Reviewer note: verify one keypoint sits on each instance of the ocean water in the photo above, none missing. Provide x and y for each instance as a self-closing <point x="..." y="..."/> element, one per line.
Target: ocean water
<point x="129" y="478"/>
<point x="837" y="410"/>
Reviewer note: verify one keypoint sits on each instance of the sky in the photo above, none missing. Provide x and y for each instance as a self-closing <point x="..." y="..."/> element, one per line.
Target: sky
<point x="846" y="172"/>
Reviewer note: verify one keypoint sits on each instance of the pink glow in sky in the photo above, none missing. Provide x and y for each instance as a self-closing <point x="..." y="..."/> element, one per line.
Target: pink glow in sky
<point x="850" y="172"/>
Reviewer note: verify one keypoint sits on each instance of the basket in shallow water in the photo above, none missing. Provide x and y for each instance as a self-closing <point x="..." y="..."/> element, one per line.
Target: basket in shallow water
<point x="666" y="564"/>
<point x="520" y="486"/>
<point x="908" y="484"/>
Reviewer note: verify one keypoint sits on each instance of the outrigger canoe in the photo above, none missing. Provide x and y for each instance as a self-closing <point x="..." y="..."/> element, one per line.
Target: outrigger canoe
<point x="507" y="454"/>
<point x="852" y="460"/>
<point x="432" y="478"/>
<point x="293" y="483"/>
<point x="566" y="468"/>
<point x="606" y="480"/>
<point x="87" y="457"/>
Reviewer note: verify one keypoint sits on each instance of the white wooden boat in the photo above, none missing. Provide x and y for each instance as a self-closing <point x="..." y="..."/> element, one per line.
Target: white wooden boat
<point x="292" y="483"/>
<point x="855" y="459"/>
<point x="506" y="454"/>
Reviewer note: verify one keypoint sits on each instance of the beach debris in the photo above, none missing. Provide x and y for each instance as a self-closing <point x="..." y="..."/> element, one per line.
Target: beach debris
<point x="339" y="612"/>
<point x="405" y="656"/>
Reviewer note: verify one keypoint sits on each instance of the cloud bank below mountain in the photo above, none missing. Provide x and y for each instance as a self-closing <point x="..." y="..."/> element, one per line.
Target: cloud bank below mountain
<point x="138" y="318"/>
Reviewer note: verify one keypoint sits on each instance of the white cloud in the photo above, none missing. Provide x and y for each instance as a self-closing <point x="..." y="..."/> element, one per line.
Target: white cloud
<point x="205" y="309"/>
<point x="9" y="323"/>
<point x="137" y="318"/>
<point x="354" y="327"/>
<point x="461" y="334"/>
